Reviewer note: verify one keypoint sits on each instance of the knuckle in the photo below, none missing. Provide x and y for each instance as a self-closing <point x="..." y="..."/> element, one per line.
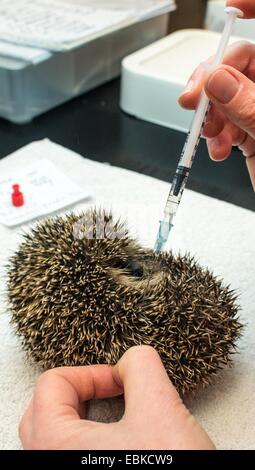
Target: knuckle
<point x="240" y="49"/>
<point x="242" y="44"/>
<point x="246" y="114"/>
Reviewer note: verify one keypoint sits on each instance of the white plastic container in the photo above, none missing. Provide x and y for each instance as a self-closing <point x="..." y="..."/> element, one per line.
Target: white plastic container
<point x="153" y="78"/>
<point x="28" y="90"/>
<point x="215" y="19"/>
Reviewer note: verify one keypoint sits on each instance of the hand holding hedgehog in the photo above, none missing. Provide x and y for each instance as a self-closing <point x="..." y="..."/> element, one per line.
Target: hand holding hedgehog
<point x="54" y="417"/>
<point x="231" y="89"/>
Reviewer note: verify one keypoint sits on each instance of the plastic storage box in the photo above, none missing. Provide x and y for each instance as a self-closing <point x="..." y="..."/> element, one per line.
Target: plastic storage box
<point x="28" y="90"/>
<point x="153" y="78"/>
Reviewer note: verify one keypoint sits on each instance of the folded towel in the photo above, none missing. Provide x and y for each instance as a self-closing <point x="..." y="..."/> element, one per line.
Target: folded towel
<point x="220" y="235"/>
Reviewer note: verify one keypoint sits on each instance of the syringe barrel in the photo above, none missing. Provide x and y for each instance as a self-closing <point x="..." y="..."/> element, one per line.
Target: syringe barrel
<point x="177" y="188"/>
<point x="193" y="138"/>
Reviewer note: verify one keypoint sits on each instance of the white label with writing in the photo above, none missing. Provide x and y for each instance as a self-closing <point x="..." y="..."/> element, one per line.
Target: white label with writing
<point x="45" y="190"/>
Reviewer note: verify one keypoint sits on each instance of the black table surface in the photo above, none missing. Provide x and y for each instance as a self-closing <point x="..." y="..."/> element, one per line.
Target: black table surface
<point x="94" y="126"/>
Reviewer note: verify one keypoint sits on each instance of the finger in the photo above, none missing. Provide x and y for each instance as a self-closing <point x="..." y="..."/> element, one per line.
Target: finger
<point x="245" y="143"/>
<point x="247" y="6"/>
<point x="240" y="55"/>
<point x="25" y="427"/>
<point x="192" y="91"/>
<point x="220" y="147"/>
<point x="240" y="139"/>
<point x="147" y="388"/>
<point x="59" y="392"/>
<point x="234" y="95"/>
<point x="215" y="123"/>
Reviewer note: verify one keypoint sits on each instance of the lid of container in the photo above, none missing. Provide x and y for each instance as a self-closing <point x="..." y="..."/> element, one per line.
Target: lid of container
<point x="60" y="25"/>
<point x="174" y="57"/>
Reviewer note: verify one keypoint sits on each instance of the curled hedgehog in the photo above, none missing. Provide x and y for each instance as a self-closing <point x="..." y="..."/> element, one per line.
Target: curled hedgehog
<point x="79" y="296"/>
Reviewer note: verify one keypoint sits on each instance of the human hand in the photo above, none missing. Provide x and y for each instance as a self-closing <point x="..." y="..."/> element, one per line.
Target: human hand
<point x="154" y="418"/>
<point x="231" y="89"/>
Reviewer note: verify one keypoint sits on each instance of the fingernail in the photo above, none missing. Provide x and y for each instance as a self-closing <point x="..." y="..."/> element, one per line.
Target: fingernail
<point x="211" y="149"/>
<point x="189" y="87"/>
<point x="215" y="149"/>
<point x="251" y="168"/>
<point x="222" y="86"/>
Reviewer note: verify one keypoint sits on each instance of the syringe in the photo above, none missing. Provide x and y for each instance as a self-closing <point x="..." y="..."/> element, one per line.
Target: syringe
<point x="192" y="141"/>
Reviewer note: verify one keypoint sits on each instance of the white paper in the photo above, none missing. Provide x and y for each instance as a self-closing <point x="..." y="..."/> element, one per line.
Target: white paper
<point x="54" y="25"/>
<point x="60" y="25"/>
<point x="25" y="53"/>
<point x="45" y="190"/>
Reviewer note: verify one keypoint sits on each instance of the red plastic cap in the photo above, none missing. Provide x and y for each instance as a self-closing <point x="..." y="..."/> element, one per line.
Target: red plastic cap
<point x="17" y="196"/>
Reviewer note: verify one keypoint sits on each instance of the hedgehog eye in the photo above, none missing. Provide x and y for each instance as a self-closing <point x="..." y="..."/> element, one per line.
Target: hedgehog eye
<point x="133" y="268"/>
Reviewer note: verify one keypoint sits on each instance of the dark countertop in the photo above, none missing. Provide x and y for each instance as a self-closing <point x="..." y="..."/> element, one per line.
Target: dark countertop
<point x="94" y="126"/>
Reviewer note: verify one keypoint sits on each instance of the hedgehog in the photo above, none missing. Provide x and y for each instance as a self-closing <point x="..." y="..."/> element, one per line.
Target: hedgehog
<point x="82" y="291"/>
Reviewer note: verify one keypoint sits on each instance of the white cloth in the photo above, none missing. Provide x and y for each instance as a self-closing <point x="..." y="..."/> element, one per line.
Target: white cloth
<point x="220" y="235"/>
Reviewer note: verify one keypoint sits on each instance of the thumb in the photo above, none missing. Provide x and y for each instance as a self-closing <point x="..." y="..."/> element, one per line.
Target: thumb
<point x="153" y="407"/>
<point x="234" y="95"/>
<point x="147" y="388"/>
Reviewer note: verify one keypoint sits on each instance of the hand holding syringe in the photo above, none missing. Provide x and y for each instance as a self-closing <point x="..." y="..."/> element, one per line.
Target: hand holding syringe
<point x="192" y="141"/>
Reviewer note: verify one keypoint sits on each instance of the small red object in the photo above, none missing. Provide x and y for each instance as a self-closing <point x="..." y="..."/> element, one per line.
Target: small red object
<point x="17" y="196"/>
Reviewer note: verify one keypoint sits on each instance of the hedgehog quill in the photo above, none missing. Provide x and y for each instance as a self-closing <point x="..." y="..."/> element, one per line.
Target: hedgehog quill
<point x="78" y="299"/>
